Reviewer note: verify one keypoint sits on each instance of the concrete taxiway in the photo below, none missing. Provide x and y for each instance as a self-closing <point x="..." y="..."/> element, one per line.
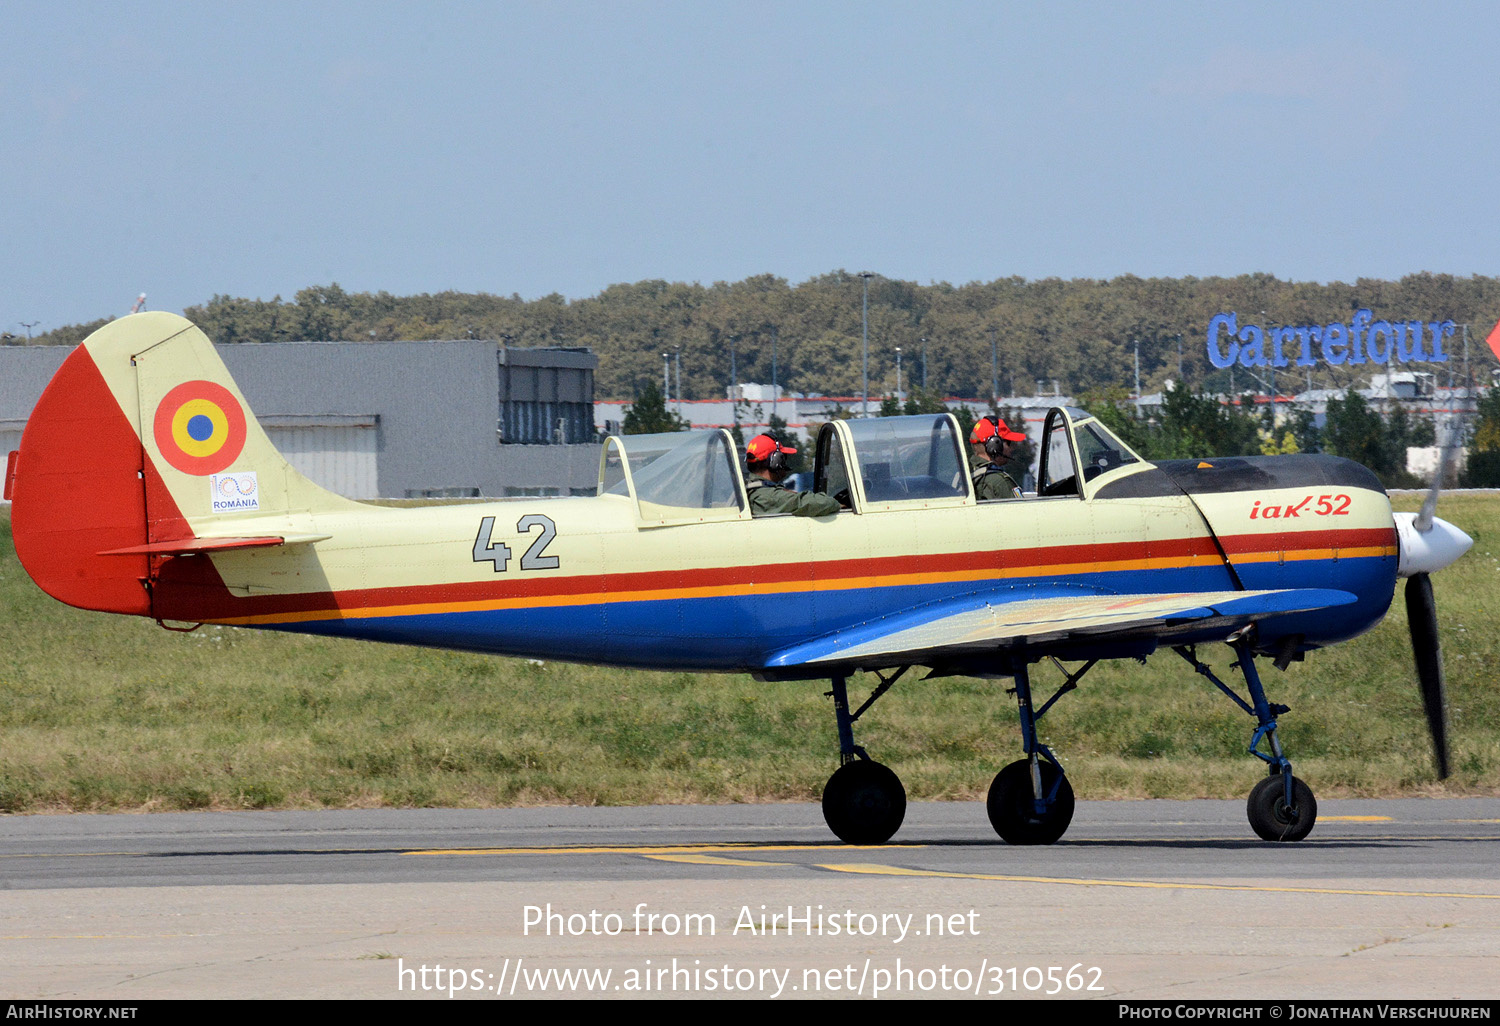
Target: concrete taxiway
<point x="1141" y="900"/>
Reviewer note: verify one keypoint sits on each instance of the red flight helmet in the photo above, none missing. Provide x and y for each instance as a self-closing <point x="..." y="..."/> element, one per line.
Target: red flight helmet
<point x="990" y="433"/>
<point x="765" y="449"/>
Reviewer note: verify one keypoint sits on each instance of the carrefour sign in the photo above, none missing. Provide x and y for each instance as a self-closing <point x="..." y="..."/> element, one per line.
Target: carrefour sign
<point x="1362" y="340"/>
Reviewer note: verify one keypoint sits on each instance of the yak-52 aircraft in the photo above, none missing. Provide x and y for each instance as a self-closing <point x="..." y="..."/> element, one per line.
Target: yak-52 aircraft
<point x="144" y="485"/>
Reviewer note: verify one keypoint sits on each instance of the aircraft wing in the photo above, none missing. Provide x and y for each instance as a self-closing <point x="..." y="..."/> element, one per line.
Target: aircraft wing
<point x="948" y="629"/>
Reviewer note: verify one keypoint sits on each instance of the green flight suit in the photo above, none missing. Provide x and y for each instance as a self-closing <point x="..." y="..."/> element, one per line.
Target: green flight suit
<point x="767" y="498"/>
<point x="990" y="482"/>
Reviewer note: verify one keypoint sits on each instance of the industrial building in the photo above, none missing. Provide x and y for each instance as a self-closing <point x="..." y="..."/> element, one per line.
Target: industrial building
<point x="394" y="419"/>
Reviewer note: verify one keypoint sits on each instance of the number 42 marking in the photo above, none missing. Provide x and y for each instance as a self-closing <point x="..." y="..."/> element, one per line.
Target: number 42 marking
<point x="487" y="550"/>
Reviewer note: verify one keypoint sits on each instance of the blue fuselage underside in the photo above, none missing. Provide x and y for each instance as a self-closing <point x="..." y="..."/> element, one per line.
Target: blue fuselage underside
<point x="743" y="632"/>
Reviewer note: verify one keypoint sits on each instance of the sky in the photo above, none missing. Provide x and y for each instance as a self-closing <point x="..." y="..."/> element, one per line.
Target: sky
<point x="188" y="150"/>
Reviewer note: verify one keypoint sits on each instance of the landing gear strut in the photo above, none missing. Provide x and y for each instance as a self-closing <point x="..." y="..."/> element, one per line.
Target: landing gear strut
<point x="1281" y="807"/>
<point x="1031" y="801"/>
<point x="863" y="802"/>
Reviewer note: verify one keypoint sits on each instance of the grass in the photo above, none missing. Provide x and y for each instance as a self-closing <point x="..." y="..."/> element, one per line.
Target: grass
<point x="105" y="713"/>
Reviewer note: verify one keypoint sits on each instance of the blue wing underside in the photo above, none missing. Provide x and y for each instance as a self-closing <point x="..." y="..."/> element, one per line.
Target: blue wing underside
<point x="1058" y="621"/>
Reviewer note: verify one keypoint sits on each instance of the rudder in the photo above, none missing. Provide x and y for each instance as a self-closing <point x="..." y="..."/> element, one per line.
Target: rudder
<point x="142" y="438"/>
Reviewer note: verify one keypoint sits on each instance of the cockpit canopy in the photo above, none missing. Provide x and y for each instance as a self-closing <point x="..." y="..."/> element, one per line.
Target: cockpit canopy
<point x="1073" y="438"/>
<point x="870" y="465"/>
<point x="900" y="461"/>
<point x="675" y="477"/>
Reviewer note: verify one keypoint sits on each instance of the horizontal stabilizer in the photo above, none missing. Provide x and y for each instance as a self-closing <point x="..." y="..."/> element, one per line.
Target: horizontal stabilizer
<point x="193" y="546"/>
<point x="980" y="625"/>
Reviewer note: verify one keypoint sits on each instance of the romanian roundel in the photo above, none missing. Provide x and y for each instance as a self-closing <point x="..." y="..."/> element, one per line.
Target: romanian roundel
<point x="200" y="427"/>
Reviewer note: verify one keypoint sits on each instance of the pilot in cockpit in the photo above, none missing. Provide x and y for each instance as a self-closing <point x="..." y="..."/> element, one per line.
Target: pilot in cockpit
<point x="766" y="467"/>
<point x="992" y="444"/>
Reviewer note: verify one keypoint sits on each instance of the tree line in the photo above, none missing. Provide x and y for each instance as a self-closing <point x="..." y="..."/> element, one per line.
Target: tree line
<point x="1027" y="336"/>
<point x="1012" y="336"/>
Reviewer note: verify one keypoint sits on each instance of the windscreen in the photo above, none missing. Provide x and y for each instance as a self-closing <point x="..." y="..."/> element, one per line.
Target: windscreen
<point x="909" y="458"/>
<point x="1099" y="450"/>
<point x="688" y="469"/>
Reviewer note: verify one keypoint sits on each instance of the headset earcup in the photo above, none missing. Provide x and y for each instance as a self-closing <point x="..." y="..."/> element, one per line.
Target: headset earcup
<point x="992" y="446"/>
<point x="777" y="462"/>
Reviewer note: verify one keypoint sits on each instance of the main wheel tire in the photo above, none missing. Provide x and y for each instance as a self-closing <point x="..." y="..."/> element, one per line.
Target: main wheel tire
<point x="1270" y="816"/>
<point x="1012" y="805"/>
<point x="864" y="803"/>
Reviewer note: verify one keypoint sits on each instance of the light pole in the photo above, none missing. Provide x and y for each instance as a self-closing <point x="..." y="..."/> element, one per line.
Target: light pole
<point x="924" y="363"/>
<point x="29" y="325"/>
<point x="775" y="389"/>
<point x="898" y="374"/>
<point x="677" y="363"/>
<point x="864" y="359"/>
<point x="666" y="381"/>
<point x="1265" y="335"/>
<point x="1469" y="381"/>
<point x="1137" y="379"/>
<point x="734" y="385"/>
<point x="994" y="372"/>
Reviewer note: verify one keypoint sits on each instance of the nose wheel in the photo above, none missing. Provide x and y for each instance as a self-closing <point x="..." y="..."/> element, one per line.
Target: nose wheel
<point x="1281" y="807"/>
<point x="1275" y="818"/>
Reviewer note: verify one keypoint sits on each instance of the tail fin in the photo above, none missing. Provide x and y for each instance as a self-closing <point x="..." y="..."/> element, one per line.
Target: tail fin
<point x="141" y="440"/>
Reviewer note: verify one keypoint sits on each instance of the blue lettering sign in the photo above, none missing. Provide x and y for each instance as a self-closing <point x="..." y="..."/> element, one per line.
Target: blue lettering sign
<point x="1307" y="336"/>
<point x="1253" y="354"/>
<point x="1440" y="330"/>
<point x="1216" y="356"/>
<point x="1362" y="339"/>
<point x="1279" y="337"/>
<point x="1408" y="342"/>
<point x="1359" y="327"/>
<point x="1335" y="344"/>
<point x="1379" y="353"/>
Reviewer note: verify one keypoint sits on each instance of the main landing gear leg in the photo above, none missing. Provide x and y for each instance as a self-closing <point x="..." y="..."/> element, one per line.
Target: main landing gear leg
<point x="1031" y="801"/>
<point x="863" y="802"/>
<point x="1281" y="807"/>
